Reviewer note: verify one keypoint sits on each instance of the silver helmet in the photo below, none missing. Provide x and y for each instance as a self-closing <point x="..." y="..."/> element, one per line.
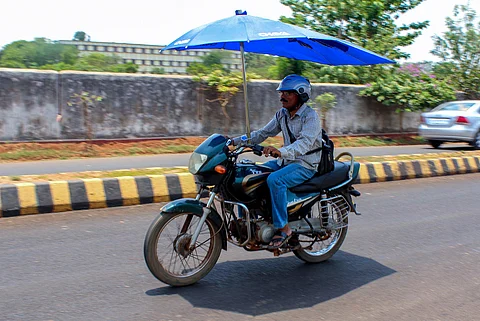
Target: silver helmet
<point x="299" y="84"/>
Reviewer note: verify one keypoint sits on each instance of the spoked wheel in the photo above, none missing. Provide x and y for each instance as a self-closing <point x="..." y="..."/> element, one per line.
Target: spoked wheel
<point x="168" y="254"/>
<point x="318" y="248"/>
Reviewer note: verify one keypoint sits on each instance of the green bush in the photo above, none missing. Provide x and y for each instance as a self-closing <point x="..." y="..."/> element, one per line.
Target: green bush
<point x="410" y="88"/>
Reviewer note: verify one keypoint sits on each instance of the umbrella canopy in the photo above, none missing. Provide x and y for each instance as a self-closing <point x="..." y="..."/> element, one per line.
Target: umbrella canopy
<point x="265" y="36"/>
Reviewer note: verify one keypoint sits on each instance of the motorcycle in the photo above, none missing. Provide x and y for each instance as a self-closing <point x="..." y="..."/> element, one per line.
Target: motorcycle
<point x="233" y="206"/>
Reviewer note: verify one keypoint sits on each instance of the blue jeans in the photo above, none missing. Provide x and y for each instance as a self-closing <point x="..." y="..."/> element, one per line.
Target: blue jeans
<point x="278" y="182"/>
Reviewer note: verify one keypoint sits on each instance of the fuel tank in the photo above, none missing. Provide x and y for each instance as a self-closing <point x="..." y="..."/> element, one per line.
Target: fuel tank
<point x="249" y="182"/>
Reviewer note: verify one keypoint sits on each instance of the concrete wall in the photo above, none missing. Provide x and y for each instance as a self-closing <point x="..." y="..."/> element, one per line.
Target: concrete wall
<point x="155" y="105"/>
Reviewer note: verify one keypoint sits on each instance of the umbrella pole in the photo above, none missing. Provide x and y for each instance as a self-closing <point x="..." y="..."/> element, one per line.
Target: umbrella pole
<point x="245" y="96"/>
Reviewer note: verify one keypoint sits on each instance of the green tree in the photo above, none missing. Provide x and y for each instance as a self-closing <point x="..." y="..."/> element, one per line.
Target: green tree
<point x="211" y="75"/>
<point x="444" y="70"/>
<point x="37" y="53"/>
<point x="214" y="58"/>
<point x="370" y="24"/>
<point x="459" y="48"/>
<point x="158" y="71"/>
<point x="287" y="66"/>
<point x="58" y="67"/>
<point x="103" y="63"/>
<point x="262" y="65"/>
<point x="197" y="68"/>
<point x="129" y="67"/>
<point x="45" y="54"/>
<point x="97" y="62"/>
<point x="80" y="36"/>
<point x="409" y="89"/>
<point x="226" y="85"/>
<point x="210" y="62"/>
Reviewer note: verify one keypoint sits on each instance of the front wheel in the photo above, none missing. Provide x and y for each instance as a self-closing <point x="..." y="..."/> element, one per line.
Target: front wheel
<point x="167" y="252"/>
<point x="319" y="248"/>
<point x="435" y="143"/>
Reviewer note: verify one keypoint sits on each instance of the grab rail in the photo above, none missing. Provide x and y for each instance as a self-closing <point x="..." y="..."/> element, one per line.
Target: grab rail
<point x="350" y="171"/>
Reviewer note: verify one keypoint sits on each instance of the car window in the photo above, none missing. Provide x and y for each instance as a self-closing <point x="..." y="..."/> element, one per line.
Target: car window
<point x="454" y="106"/>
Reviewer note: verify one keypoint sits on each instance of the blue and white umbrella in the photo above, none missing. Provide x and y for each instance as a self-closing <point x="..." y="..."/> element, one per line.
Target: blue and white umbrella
<point x="246" y="33"/>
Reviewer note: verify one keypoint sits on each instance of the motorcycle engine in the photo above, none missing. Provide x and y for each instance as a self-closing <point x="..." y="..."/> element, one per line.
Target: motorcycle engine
<point x="264" y="232"/>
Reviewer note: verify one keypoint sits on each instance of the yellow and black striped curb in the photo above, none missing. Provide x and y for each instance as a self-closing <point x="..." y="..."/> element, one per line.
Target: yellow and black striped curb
<point x="398" y="170"/>
<point x="60" y="196"/>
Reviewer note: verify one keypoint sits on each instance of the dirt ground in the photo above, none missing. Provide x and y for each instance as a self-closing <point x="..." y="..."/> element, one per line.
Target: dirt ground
<point x="62" y="150"/>
<point x="19" y="152"/>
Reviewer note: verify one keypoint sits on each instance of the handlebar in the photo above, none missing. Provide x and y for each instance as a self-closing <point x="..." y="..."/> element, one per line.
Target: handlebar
<point x="255" y="148"/>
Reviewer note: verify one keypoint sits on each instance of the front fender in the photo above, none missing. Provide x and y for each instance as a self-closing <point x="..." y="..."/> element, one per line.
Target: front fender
<point x="191" y="205"/>
<point x="184" y="205"/>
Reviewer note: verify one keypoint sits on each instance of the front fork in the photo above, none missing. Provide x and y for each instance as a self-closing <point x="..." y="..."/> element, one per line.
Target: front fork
<point x="206" y="212"/>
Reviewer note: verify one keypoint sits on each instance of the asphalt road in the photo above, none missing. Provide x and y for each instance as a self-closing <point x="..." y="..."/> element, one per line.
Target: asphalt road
<point x="413" y="255"/>
<point x="171" y="160"/>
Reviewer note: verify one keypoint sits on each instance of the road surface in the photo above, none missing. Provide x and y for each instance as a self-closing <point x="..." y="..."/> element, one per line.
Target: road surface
<point x="413" y="255"/>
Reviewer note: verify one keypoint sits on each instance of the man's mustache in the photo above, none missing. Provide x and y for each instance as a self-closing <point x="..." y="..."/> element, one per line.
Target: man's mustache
<point x="283" y="100"/>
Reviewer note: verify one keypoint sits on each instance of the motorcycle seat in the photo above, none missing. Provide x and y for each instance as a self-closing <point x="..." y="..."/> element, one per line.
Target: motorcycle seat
<point x="328" y="180"/>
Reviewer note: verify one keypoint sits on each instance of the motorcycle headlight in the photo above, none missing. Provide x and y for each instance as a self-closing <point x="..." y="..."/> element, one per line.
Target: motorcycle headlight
<point x="196" y="162"/>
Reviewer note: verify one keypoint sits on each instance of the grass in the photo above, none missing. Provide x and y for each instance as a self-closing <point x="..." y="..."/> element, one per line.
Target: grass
<point x="377" y="141"/>
<point x="36" y="154"/>
<point x="143" y="172"/>
<point x="15" y="152"/>
<point x="367" y="159"/>
<point x="161" y="171"/>
<point x="92" y="174"/>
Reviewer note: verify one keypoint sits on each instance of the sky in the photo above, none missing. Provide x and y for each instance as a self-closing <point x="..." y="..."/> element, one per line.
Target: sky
<point x="162" y="21"/>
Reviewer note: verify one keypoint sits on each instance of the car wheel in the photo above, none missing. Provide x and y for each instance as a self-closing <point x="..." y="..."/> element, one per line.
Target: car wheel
<point x="476" y="141"/>
<point x="435" y="143"/>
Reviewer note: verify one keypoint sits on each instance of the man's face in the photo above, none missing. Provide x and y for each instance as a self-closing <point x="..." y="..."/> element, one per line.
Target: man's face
<point x="289" y="99"/>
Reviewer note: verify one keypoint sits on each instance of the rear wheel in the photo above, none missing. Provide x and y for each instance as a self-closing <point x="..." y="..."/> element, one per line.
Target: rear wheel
<point x="476" y="141"/>
<point x="435" y="143"/>
<point x="316" y="249"/>
<point x="167" y="251"/>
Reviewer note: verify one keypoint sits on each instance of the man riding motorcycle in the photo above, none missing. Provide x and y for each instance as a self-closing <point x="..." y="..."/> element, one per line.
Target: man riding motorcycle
<point x="301" y="131"/>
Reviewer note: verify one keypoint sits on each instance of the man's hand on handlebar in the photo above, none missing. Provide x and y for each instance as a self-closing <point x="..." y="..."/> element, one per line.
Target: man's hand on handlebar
<point x="272" y="151"/>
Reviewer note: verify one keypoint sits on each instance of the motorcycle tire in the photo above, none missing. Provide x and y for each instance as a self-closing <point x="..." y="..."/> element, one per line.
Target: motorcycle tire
<point x="325" y="253"/>
<point x="176" y="252"/>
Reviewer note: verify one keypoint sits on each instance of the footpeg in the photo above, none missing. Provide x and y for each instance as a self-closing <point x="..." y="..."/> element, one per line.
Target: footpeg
<point x="354" y="192"/>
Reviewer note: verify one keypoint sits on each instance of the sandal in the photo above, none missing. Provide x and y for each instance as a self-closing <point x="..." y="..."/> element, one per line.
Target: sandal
<point x="279" y="239"/>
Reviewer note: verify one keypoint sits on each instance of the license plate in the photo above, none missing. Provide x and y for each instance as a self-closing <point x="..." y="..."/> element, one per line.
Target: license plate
<point x="437" y="121"/>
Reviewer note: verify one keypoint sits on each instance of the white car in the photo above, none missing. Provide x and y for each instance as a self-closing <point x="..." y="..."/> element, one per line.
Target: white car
<point x="456" y="121"/>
